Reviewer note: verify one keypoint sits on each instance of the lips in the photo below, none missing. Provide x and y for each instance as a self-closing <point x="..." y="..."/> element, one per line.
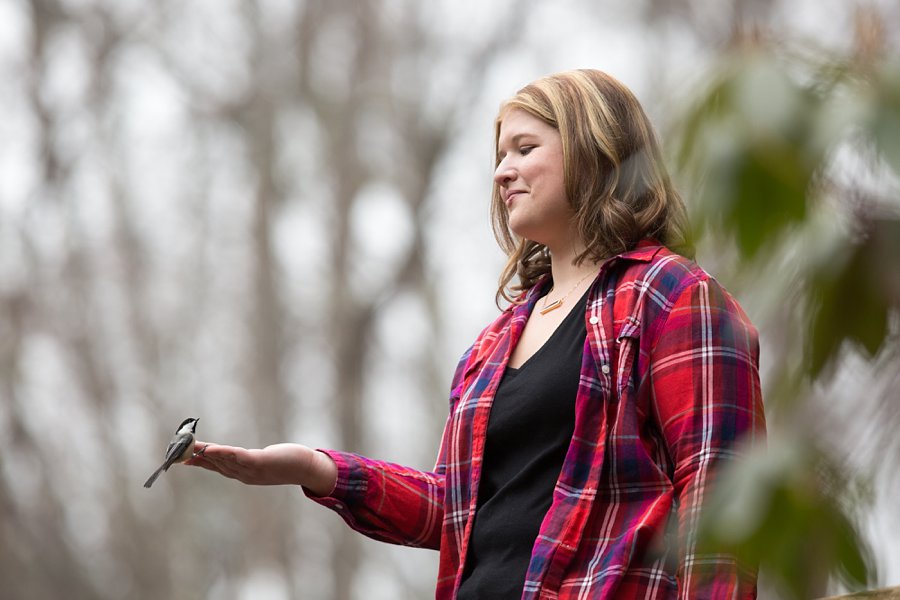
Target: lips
<point x="512" y="194"/>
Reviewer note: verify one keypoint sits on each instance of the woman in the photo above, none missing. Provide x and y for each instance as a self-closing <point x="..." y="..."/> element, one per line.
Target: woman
<point x="588" y="420"/>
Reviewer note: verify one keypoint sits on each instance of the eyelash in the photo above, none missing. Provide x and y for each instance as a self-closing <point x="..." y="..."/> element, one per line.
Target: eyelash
<point x="523" y="150"/>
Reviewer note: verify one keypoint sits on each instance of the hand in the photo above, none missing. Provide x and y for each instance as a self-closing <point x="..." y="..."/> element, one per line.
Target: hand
<point x="279" y="464"/>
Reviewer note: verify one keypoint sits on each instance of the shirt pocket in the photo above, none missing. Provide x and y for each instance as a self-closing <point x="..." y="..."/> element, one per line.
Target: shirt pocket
<point x="627" y="347"/>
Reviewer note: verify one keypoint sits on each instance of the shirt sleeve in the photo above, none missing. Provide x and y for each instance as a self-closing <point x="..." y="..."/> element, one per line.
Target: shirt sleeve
<point x="386" y="501"/>
<point x="706" y="390"/>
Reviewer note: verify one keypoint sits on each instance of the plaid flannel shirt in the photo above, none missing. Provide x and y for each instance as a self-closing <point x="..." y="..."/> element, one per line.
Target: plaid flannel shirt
<point x="669" y="385"/>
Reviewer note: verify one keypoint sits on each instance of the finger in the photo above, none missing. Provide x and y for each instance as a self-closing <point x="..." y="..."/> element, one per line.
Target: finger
<point x="224" y="469"/>
<point x="199" y="451"/>
<point x="214" y="469"/>
<point x="207" y="463"/>
<point x="221" y="452"/>
<point x="200" y="462"/>
<point x="199" y="454"/>
<point x="210" y="447"/>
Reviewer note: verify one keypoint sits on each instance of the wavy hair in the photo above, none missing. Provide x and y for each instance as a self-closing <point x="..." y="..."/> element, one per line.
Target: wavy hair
<point x="615" y="179"/>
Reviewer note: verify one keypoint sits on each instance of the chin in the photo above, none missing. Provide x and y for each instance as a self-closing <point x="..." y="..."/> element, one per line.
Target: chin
<point x="532" y="234"/>
<point x="523" y="227"/>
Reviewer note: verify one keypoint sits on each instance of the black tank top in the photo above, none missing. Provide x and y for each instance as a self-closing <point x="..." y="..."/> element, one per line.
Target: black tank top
<point x="531" y="424"/>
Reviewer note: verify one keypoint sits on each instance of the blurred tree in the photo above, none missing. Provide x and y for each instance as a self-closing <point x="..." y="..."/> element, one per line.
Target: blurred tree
<point x="171" y="145"/>
<point x="793" y="155"/>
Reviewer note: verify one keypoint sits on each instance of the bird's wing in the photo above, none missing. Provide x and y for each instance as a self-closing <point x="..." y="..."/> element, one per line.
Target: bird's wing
<point x="177" y="447"/>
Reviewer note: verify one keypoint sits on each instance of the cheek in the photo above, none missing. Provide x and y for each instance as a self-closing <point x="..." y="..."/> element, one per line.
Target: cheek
<point x="553" y="179"/>
<point x="555" y="190"/>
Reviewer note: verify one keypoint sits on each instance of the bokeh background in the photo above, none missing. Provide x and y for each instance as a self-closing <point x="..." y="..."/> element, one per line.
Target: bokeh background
<point x="273" y="215"/>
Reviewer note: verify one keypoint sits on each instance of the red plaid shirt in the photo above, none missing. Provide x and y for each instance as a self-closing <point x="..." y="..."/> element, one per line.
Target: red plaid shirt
<point x="669" y="384"/>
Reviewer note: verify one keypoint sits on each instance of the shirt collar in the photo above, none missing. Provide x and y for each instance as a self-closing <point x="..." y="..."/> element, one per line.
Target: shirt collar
<point x="645" y="251"/>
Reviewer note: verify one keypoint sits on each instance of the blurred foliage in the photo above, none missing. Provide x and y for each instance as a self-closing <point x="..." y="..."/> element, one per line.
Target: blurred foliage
<point x="854" y="296"/>
<point x="780" y="511"/>
<point x="764" y="142"/>
<point x="782" y="141"/>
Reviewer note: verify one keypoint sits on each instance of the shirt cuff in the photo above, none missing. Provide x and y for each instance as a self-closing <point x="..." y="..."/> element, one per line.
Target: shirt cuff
<point x="351" y="483"/>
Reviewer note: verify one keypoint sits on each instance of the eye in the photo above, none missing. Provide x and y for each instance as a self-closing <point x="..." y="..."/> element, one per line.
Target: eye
<point x="526" y="150"/>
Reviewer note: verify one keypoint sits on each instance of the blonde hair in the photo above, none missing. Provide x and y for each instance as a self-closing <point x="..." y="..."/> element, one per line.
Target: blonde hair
<point x="615" y="179"/>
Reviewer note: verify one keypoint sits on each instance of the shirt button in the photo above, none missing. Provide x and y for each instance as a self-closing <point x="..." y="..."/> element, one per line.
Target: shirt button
<point x="339" y="506"/>
<point x="605" y="369"/>
<point x="594" y="320"/>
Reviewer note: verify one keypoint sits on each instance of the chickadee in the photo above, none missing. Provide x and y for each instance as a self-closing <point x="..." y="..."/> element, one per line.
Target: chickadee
<point x="181" y="448"/>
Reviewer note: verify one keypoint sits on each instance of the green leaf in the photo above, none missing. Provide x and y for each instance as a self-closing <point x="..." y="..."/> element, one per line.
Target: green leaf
<point x="853" y="298"/>
<point x="752" y="142"/>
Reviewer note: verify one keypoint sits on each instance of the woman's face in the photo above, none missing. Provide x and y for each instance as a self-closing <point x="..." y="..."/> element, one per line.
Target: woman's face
<point x="531" y="181"/>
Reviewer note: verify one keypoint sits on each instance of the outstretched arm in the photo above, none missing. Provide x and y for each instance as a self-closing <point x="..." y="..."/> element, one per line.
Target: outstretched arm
<point x="382" y="500"/>
<point x="279" y="464"/>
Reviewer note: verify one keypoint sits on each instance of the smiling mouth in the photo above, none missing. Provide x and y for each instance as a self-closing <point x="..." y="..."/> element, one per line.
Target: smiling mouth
<point x="512" y="195"/>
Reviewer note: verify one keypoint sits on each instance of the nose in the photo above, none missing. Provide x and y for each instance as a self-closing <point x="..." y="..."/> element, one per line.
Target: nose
<point x="504" y="174"/>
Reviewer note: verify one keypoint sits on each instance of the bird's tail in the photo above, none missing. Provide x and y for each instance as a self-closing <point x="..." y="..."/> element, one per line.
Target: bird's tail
<point x="153" y="477"/>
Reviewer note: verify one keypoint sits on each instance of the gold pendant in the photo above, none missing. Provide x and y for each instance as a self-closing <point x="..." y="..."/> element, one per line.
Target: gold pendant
<point x="552" y="306"/>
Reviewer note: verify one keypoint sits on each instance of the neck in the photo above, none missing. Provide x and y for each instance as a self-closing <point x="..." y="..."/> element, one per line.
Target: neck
<point x="566" y="273"/>
<point x="569" y="278"/>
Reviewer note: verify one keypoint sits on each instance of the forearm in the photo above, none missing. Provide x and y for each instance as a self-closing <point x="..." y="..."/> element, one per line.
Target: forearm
<point x="322" y="475"/>
<point x="382" y="500"/>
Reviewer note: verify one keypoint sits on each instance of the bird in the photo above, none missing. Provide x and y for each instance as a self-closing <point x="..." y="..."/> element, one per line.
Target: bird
<point x="181" y="448"/>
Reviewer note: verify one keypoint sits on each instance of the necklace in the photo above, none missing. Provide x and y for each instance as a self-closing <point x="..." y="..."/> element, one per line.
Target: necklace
<point x="557" y="303"/>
